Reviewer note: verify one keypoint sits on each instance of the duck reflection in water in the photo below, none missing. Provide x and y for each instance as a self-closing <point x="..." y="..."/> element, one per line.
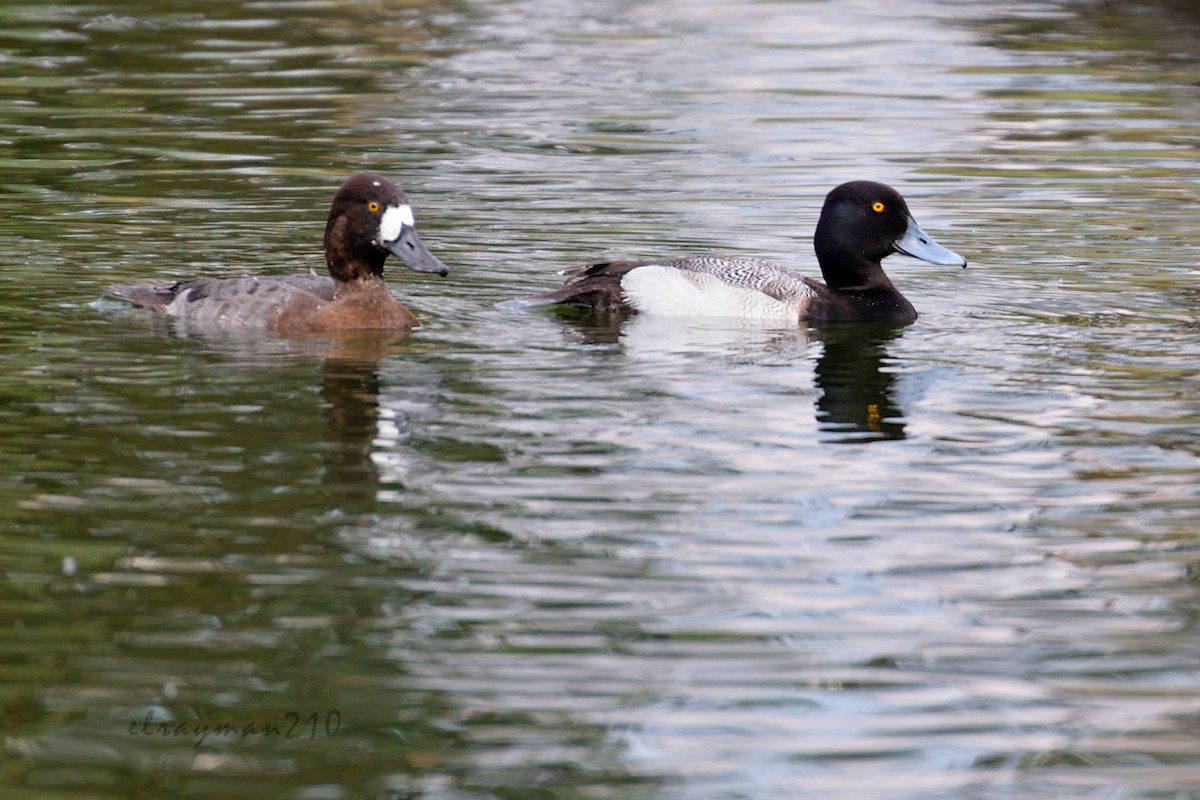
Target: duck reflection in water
<point x="857" y="400"/>
<point x="370" y="405"/>
<point x="350" y="390"/>
<point x="856" y="392"/>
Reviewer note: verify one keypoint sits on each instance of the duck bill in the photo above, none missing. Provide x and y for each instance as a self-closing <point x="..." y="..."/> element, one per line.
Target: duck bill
<point x="918" y="244"/>
<point x="409" y="248"/>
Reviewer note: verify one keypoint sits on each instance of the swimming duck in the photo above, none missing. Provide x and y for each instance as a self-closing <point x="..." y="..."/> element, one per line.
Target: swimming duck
<point x="861" y="223"/>
<point x="370" y="218"/>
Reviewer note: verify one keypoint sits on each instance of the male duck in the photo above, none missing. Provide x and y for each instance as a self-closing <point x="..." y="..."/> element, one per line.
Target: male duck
<point x="861" y="223"/>
<point x="369" y="219"/>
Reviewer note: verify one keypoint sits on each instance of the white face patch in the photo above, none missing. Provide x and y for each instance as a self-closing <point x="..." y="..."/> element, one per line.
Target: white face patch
<point x="393" y="221"/>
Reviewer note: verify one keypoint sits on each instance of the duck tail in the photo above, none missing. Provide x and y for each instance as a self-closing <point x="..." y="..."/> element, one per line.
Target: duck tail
<point x="594" y="286"/>
<point x="156" y="296"/>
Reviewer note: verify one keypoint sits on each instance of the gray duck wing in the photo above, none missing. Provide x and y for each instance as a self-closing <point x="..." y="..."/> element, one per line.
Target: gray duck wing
<point x="754" y="274"/>
<point x="243" y="301"/>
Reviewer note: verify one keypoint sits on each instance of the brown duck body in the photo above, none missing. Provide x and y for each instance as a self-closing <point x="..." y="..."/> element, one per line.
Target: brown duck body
<point x="370" y="218"/>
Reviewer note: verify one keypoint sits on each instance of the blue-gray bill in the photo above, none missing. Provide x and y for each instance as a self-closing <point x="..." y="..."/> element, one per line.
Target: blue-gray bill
<point x="409" y="248"/>
<point x="918" y="244"/>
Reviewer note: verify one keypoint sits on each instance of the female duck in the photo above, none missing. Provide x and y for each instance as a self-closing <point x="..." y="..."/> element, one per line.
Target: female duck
<point x="370" y="218"/>
<point x="861" y="223"/>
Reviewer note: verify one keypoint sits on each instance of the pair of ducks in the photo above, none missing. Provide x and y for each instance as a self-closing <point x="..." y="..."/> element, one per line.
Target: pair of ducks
<point x="861" y="223"/>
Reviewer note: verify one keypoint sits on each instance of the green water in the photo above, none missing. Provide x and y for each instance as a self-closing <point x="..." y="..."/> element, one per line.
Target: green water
<point x="540" y="555"/>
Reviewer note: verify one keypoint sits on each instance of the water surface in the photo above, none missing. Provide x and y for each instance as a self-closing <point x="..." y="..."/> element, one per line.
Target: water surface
<point x="530" y="554"/>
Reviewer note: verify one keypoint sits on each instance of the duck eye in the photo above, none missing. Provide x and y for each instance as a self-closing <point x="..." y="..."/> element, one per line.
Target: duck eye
<point x="878" y="207"/>
<point x="373" y="206"/>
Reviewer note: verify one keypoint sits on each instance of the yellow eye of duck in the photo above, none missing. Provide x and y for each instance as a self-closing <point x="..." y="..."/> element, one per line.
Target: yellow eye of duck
<point x="373" y="206"/>
<point x="878" y="207"/>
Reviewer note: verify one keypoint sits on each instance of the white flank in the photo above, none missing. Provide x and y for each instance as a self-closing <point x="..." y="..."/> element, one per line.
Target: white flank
<point x="667" y="291"/>
<point x="393" y="221"/>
